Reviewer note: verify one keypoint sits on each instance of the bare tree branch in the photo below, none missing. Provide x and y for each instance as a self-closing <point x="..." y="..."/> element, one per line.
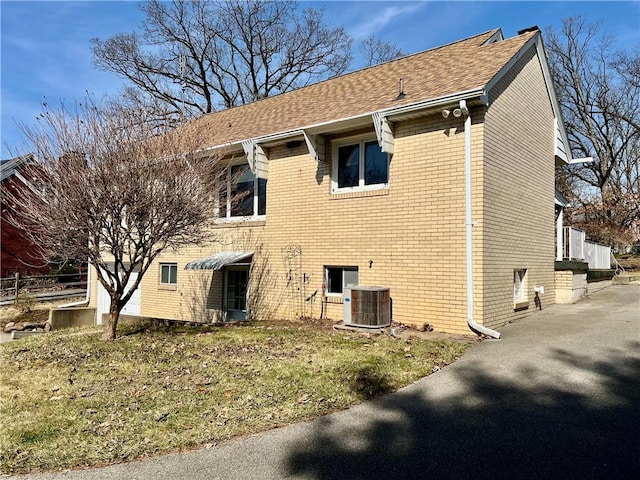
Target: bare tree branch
<point x="117" y="189"/>
<point x="376" y="51"/>
<point x="197" y="56"/>
<point x="599" y="90"/>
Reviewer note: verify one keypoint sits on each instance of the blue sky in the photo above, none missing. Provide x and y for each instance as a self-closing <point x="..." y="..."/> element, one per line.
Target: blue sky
<point x="45" y="49"/>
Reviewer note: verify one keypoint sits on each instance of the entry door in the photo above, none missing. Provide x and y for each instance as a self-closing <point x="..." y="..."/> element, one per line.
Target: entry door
<point x="236" y="289"/>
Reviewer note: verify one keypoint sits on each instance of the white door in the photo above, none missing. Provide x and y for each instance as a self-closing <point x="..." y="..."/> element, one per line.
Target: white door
<point x="131" y="308"/>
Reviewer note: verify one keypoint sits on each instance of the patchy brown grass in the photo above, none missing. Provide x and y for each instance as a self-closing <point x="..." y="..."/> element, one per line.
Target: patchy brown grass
<point x="28" y="311"/>
<point x="71" y="400"/>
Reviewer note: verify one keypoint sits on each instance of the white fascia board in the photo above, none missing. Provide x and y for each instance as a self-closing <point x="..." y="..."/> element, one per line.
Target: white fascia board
<point x="496" y="37"/>
<point x="432" y="103"/>
<point x="356" y="120"/>
<point x="508" y="66"/>
<point x="26" y="182"/>
<point x="555" y="104"/>
<point x="536" y="41"/>
<point x="574" y="161"/>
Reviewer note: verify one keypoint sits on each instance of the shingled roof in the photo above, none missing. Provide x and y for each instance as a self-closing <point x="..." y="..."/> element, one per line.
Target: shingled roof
<point x="457" y="67"/>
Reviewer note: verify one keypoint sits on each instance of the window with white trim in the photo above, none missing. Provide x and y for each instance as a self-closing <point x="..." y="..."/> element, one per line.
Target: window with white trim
<point x="336" y="278"/>
<point x="168" y="273"/>
<point x="519" y="286"/>
<point x="359" y="166"/>
<point x="243" y="196"/>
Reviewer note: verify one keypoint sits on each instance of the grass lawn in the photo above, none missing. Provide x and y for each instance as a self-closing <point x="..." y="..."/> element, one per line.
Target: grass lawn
<point x="67" y="399"/>
<point x="629" y="261"/>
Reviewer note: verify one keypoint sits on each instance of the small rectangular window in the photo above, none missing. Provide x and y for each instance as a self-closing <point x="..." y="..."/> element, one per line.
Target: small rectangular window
<point x="519" y="287"/>
<point x="336" y="278"/>
<point x="168" y="273"/>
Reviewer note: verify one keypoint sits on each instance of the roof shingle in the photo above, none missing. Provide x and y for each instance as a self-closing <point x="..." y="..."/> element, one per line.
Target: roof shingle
<point x="435" y="73"/>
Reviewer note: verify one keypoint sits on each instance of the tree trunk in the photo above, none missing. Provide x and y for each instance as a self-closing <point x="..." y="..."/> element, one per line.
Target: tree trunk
<point x="109" y="332"/>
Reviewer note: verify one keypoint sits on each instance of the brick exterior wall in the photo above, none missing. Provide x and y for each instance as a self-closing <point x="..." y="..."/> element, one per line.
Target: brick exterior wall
<point x="17" y="253"/>
<point x="516" y="224"/>
<point x="409" y="237"/>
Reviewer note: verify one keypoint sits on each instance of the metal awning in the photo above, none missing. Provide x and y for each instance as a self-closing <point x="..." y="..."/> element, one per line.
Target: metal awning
<point x="217" y="261"/>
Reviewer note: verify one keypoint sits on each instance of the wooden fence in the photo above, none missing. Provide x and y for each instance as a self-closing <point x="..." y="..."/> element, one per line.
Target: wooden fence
<point x="42" y="287"/>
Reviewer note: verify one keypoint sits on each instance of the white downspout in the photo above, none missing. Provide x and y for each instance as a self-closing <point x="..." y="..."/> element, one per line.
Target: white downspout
<point x="477" y="328"/>
<point x="88" y="295"/>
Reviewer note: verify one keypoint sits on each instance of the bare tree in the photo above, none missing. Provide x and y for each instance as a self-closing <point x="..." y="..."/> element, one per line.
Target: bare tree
<point x="197" y="56"/>
<point x="599" y="90"/>
<point x="116" y="189"/>
<point x="376" y="51"/>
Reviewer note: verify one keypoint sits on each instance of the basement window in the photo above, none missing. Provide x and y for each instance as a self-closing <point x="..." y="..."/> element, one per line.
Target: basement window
<point x="520" y="301"/>
<point x="168" y="274"/>
<point x="337" y="278"/>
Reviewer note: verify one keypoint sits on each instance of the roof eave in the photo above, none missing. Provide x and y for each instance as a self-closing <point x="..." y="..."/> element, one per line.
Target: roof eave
<point x="393" y="114"/>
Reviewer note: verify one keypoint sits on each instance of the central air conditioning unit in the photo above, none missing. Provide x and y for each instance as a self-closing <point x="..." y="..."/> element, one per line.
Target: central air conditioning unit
<point x="368" y="307"/>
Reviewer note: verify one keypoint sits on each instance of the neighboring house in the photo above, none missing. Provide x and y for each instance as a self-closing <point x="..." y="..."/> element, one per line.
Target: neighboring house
<point x="399" y="175"/>
<point x="18" y="254"/>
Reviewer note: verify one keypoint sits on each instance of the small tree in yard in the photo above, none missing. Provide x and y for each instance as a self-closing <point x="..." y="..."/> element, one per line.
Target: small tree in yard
<point x="116" y="189"/>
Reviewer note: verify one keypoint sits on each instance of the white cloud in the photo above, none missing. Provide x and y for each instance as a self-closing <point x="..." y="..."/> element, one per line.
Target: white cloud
<point x="380" y="18"/>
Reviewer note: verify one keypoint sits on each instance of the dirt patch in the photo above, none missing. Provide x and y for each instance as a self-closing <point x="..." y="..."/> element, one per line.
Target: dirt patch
<point x="631" y="263"/>
<point x="34" y="313"/>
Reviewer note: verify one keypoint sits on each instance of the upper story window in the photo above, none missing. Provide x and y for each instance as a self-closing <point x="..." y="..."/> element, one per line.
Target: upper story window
<point x="244" y="197"/>
<point x="359" y="165"/>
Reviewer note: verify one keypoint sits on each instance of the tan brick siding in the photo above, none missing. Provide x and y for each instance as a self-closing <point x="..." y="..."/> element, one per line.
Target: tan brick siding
<point x="409" y="237"/>
<point x="517" y="220"/>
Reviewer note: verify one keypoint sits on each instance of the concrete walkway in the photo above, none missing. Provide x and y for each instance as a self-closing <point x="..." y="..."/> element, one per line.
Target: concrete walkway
<point x="557" y="397"/>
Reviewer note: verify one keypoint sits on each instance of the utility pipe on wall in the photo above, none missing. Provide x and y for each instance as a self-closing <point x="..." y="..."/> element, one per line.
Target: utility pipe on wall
<point x="477" y="328"/>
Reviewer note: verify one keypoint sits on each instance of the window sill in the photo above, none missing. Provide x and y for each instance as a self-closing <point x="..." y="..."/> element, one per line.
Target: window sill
<point x="170" y="288"/>
<point x="520" y="306"/>
<point x="381" y="192"/>
<point x="241" y="222"/>
<point x="338" y="299"/>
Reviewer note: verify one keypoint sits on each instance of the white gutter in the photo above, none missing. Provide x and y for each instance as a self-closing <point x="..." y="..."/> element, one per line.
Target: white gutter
<point x="365" y="118"/>
<point x="88" y="295"/>
<point x="476" y="327"/>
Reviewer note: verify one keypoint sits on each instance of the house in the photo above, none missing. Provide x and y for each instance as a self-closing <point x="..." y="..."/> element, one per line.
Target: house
<point x="431" y="175"/>
<point x="18" y="253"/>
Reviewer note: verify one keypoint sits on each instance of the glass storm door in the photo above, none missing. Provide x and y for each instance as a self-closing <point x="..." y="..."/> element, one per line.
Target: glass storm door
<point x="237" y="280"/>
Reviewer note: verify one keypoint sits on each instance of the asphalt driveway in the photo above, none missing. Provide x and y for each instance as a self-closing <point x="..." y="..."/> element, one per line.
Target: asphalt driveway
<point x="557" y="397"/>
